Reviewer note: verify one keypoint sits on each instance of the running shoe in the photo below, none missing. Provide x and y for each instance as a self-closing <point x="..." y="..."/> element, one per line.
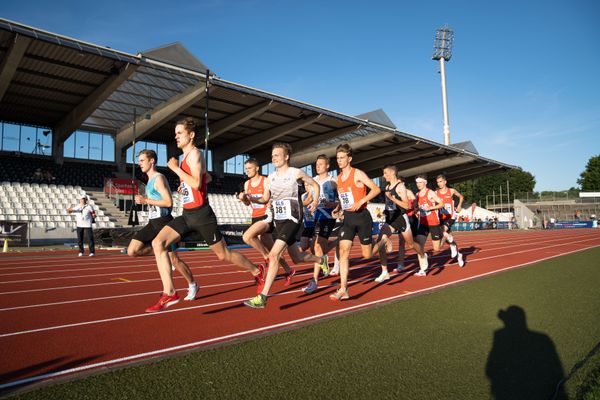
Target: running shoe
<point x="324" y="264"/>
<point x="80" y="254"/>
<point x="339" y="295"/>
<point x="421" y="273"/>
<point x="192" y="292"/>
<point x="336" y="269"/>
<point x="260" y="278"/>
<point x="383" y="277"/>
<point x="173" y="267"/>
<point x="288" y="277"/>
<point x="260" y="301"/>
<point x="92" y="254"/>
<point x="400" y="268"/>
<point x="164" y="302"/>
<point x="311" y="288"/>
<point x="461" y="262"/>
<point x="453" y="250"/>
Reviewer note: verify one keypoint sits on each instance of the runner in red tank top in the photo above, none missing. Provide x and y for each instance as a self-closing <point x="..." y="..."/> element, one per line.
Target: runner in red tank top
<point x="428" y="204"/>
<point x="352" y="186"/>
<point x="197" y="216"/>
<point x="448" y="215"/>
<point x="258" y="235"/>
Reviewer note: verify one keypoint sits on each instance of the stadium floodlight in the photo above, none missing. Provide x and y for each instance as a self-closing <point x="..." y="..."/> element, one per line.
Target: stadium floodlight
<point x="442" y="51"/>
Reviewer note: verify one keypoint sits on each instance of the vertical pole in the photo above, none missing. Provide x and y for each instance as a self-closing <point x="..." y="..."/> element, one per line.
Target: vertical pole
<point x="500" y="198"/>
<point x="445" y="102"/>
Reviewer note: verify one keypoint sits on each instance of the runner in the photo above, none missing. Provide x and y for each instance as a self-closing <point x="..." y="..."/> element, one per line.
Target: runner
<point x="308" y="221"/>
<point x="160" y="203"/>
<point x="197" y="217"/>
<point x="324" y="221"/>
<point x="448" y="215"/>
<point x="428" y="222"/>
<point x="282" y="191"/>
<point x="258" y="235"/>
<point x="352" y="186"/>
<point x="397" y="204"/>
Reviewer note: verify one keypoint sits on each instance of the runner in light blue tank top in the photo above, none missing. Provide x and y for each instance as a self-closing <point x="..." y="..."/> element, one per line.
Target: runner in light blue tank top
<point x="153" y="194"/>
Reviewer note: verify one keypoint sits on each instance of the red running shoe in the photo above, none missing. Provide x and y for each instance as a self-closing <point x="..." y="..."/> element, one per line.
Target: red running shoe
<point x="288" y="277"/>
<point x="164" y="302"/>
<point x="260" y="278"/>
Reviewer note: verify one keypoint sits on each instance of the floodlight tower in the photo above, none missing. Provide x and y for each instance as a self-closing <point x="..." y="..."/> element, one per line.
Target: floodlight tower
<point x="442" y="50"/>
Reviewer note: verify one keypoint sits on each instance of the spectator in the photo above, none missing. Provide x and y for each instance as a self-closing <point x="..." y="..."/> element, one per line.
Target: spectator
<point x="85" y="219"/>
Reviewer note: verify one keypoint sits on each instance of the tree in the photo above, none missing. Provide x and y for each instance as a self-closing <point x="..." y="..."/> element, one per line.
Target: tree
<point x="590" y="178"/>
<point x="476" y="190"/>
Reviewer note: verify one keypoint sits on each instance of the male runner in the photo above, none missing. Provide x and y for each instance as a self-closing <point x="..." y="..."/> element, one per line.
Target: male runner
<point x="160" y="203"/>
<point x="197" y="216"/>
<point x="429" y="222"/>
<point x="258" y="235"/>
<point x="282" y="191"/>
<point x="352" y="186"/>
<point x="448" y="214"/>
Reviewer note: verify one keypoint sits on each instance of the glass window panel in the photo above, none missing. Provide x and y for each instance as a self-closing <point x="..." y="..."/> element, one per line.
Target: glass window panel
<point x="162" y="155"/>
<point x="10" y="137"/>
<point x="108" y="148"/>
<point x="69" y="146"/>
<point x="28" y="140"/>
<point x="81" y="144"/>
<point x="95" y="146"/>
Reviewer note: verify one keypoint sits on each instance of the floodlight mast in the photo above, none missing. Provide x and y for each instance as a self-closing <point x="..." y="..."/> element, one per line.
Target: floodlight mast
<point x="442" y="50"/>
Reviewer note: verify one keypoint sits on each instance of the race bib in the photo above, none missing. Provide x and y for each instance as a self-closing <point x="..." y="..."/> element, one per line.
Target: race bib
<point x="186" y="193"/>
<point x="153" y="212"/>
<point x="282" y="209"/>
<point x="347" y="200"/>
<point x="447" y="209"/>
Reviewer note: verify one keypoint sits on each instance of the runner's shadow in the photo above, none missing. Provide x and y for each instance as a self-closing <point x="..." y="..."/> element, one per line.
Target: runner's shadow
<point x="59" y="363"/>
<point x="406" y="273"/>
<point x="321" y="292"/>
<point x="223" y="309"/>
<point x="373" y="287"/>
<point x="522" y="364"/>
<point x="223" y="291"/>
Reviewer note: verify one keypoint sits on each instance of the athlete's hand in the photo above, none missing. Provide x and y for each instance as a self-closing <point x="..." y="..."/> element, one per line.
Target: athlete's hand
<point x="312" y="207"/>
<point x="180" y="188"/>
<point x="139" y="199"/>
<point x="173" y="163"/>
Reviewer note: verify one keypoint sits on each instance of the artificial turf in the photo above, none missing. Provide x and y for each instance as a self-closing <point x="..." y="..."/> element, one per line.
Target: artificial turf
<point x="434" y="346"/>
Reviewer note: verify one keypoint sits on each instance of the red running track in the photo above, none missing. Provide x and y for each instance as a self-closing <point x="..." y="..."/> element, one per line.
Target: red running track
<point x="62" y="314"/>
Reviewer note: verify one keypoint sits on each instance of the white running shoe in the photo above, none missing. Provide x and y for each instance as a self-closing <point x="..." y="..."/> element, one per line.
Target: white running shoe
<point x="80" y="254"/>
<point x="172" y="268"/>
<point x="461" y="262"/>
<point x="424" y="263"/>
<point x="383" y="277"/>
<point x="192" y="291"/>
<point x="92" y="254"/>
<point x="335" y="270"/>
<point x="453" y="250"/>
<point x="421" y="273"/>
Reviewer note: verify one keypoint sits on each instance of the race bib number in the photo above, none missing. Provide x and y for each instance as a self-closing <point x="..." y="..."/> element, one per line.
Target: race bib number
<point x="347" y="200"/>
<point x="186" y="193"/>
<point x="153" y="212"/>
<point x="282" y="209"/>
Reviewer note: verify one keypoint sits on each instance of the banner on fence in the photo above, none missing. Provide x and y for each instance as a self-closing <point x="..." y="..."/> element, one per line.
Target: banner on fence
<point x="15" y="232"/>
<point x="119" y="186"/>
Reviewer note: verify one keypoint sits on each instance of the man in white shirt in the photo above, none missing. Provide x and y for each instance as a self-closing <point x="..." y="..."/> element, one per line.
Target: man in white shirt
<point x="85" y="218"/>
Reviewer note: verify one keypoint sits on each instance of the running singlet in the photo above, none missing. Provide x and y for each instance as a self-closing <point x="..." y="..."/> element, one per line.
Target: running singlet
<point x="349" y="193"/>
<point x="309" y="218"/>
<point x="153" y="194"/>
<point x="390" y="206"/>
<point x="258" y="210"/>
<point x="447" y="212"/>
<point x="327" y="194"/>
<point x="192" y="198"/>
<point x="427" y="217"/>
<point x="284" y="195"/>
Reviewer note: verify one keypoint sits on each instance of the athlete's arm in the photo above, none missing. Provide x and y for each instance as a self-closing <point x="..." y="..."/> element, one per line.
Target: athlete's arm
<point x="401" y="191"/>
<point x="316" y="190"/>
<point x="460" y="199"/>
<point x="194" y="161"/>
<point x="266" y="197"/>
<point x="374" y="190"/>
<point x="160" y="184"/>
<point x="439" y="202"/>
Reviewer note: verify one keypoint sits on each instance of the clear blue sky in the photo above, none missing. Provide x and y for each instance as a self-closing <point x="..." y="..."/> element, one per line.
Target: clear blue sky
<point x="523" y="82"/>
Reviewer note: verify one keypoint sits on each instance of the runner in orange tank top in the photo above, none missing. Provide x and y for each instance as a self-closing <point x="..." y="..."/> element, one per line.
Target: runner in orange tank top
<point x="428" y="204"/>
<point x="352" y="186"/>
<point x="197" y="217"/>
<point x="258" y="235"/>
<point x="448" y="215"/>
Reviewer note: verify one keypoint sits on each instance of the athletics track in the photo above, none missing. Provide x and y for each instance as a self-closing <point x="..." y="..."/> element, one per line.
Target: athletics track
<point x="62" y="315"/>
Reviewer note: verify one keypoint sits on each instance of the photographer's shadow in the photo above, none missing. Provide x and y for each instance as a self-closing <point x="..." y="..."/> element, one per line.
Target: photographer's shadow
<point x="522" y="364"/>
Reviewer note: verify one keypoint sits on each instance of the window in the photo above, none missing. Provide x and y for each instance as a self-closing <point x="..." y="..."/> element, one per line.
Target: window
<point x="235" y="165"/>
<point x="26" y="139"/>
<point x="10" y="137"/>
<point x="90" y="146"/>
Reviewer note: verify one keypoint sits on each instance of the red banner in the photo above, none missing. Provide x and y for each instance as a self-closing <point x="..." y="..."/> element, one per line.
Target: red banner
<point x="119" y="186"/>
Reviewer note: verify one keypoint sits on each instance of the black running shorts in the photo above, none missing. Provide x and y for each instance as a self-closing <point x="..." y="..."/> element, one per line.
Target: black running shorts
<point x="201" y="220"/>
<point x="435" y="231"/>
<point x="147" y="234"/>
<point x="286" y="230"/>
<point x="267" y="219"/>
<point x="358" y="222"/>
<point x="448" y="224"/>
<point x="325" y="227"/>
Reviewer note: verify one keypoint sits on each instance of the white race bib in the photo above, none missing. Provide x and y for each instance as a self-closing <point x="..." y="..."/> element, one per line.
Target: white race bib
<point x="347" y="200"/>
<point x="186" y="193"/>
<point x="282" y="209"/>
<point x="153" y="212"/>
<point x="447" y="209"/>
<point x="256" y="205"/>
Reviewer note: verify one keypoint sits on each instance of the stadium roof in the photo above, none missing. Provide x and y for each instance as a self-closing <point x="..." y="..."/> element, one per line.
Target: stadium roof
<point x="66" y="84"/>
